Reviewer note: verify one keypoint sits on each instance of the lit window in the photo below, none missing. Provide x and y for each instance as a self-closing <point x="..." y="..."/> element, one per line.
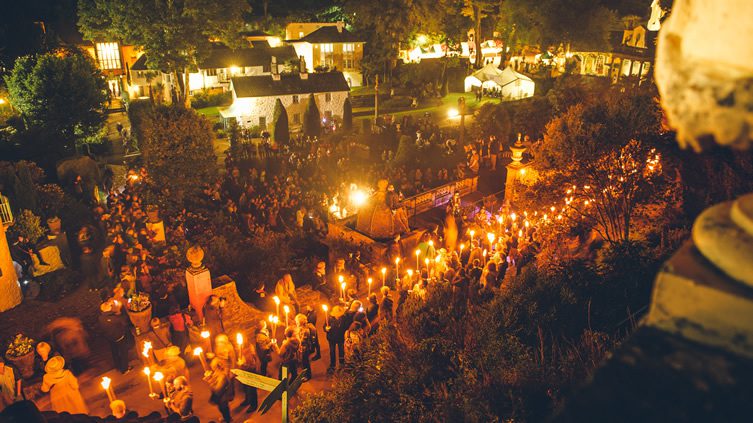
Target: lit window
<point x="349" y="48"/>
<point x="327" y="48"/>
<point x="108" y="56"/>
<point x="300" y="34"/>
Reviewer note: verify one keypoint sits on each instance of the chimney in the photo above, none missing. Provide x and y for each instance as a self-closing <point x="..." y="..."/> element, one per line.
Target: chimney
<point x="340" y="26"/>
<point x="302" y="71"/>
<point x="274" y="69"/>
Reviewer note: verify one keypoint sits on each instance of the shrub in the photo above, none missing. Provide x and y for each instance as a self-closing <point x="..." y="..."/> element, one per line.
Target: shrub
<point x="28" y="225"/>
<point x="281" y="129"/>
<point x="204" y="99"/>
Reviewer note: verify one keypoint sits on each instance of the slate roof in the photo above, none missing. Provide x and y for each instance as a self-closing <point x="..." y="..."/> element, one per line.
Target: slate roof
<point x="140" y="63"/>
<point x="330" y="34"/>
<point x="224" y="57"/>
<point x="265" y="86"/>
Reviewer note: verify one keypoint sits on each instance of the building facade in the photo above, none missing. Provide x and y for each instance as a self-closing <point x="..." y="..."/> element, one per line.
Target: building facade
<point x="632" y="55"/>
<point x="326" y="46"/>
<point x="254" y="98"/>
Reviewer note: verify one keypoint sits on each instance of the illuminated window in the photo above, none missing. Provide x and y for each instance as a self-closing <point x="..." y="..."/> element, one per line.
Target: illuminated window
<point x="349" y="48"/>
<point x="327" y="58"/>
<point x="108" y="56"/>
<point x="300" y="34"/>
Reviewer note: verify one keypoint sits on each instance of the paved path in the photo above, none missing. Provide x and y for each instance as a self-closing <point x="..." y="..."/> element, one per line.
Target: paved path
<point x="133" y="389"/>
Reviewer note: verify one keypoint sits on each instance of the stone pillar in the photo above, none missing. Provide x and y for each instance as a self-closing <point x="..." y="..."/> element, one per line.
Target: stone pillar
<point x="10" y="290"/>
<point x="515" y="169"/>
<point x="198" y="280"/>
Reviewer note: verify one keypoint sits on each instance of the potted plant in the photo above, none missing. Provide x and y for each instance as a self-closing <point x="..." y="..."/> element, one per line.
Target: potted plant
<point x="140" y="312"/>
<point x="20" y="352"/>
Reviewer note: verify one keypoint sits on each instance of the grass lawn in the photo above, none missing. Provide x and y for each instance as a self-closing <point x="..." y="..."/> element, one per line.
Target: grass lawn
<point x="439" y="111"/>
<point x="212" y="113"/>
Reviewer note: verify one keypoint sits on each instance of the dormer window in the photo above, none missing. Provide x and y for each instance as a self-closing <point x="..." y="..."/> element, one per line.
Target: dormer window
<point x="108" y="56"/>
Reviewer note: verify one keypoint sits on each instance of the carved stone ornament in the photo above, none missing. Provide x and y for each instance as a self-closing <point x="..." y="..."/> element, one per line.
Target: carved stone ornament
<point x="195" y="255"/>
<point x="704" y="71"/>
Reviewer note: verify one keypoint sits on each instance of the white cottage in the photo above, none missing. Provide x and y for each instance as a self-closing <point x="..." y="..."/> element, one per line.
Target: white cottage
<point x="254" y="97"/>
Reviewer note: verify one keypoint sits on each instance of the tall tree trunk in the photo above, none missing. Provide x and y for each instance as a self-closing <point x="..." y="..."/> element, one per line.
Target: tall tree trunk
<point x="477" y="34"/>
<point x="186" y="89"/>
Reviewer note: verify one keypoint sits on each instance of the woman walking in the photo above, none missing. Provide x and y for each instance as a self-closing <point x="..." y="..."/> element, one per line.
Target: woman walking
<point x="63" y="388"/>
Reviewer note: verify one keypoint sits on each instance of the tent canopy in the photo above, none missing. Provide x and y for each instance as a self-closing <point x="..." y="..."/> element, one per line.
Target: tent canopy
<point x="512" y="83"/>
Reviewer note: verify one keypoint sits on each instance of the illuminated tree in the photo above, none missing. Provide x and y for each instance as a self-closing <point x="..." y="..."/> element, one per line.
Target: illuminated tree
<point x="478" y="10"/>
<point x="62" y="94"/>
<point x="597" y="165"/>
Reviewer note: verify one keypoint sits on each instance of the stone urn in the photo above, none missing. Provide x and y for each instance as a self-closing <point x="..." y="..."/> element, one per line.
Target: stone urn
<point x="24" y="363"/>
<point x="141" y="319"/>
<point x="195" y="255"/>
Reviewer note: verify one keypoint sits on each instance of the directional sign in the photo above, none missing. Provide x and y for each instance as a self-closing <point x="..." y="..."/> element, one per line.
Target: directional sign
<point x="273" y="396"/>
<point x="255" y="380"/>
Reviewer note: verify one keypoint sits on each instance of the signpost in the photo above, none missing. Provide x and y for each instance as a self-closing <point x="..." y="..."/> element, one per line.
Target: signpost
<point x="279" y="389"/>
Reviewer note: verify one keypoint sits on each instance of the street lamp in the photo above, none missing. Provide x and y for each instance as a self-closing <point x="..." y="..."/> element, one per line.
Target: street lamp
<point x="461" y="108"/>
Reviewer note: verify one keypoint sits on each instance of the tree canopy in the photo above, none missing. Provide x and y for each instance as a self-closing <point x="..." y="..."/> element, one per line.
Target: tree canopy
<point x="174" y="34"/>
<point x="176" y="147"/>
<point x="62" y="94"/>
<point x="312" y="126"/>
<point x="281" y="127"/>
<point x="598" y="163"/>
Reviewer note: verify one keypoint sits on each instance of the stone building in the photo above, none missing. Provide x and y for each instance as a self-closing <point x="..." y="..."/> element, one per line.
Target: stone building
<point x="254" y="97"/>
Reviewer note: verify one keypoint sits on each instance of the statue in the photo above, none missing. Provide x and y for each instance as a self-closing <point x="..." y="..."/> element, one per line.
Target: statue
<point x="382" y="216"/>
<point x="704" y="76"/>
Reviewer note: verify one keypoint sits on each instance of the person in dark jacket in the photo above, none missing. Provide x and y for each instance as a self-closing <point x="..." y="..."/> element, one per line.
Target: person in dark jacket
<point x="335" y="331"/>
<point x="114" y="330"/>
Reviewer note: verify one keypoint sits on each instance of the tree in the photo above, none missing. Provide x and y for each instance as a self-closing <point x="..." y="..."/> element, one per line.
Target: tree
<point x="478" y="10"/>
<point x="62" y="94"/>
<point x="281" y="132"/>
<point x="398" y="20"/>
<point x="312" y="125"/>
<point x="347" y="114"/>
<point x="177" y="151"/>
<point x="25" y="189"/>
<point x="175" y="35"/>
<point x="599" y="157"/>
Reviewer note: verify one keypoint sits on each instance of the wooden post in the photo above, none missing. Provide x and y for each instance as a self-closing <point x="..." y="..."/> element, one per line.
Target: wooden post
<point x="376" y="98"/>
<point x="284" y="398"/>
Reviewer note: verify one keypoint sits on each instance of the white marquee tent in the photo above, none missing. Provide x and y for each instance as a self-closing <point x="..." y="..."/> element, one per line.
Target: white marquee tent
<point x="513" y="85"/>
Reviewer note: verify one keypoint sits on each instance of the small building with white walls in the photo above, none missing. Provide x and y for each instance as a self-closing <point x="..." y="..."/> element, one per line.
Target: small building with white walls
<point x="254" y="97"/>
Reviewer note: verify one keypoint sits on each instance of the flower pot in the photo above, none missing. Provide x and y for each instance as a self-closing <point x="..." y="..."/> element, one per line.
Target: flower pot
<point x="24" y="363"/>
<point x="141" y="319"/>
